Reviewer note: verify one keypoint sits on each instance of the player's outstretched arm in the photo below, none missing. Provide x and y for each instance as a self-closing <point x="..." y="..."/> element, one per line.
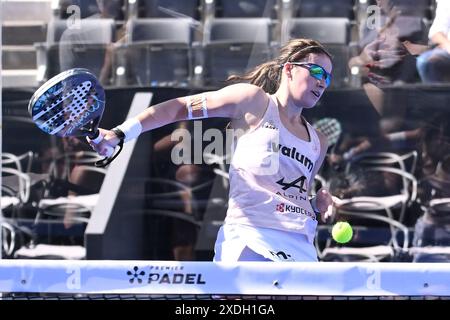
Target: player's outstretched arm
<point x="233" y="102"/>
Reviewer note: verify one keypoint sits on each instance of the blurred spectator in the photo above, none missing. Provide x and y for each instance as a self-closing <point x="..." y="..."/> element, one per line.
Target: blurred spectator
<point x="74" y="42"/>
<point x="55" y="162"/>
<point x="434" y="65"/>
<point x="435" y="150"/>
<point x="391" y="142"/>
<point x="387" y="57"/>
<point x="182" y="235"/>
<point x="67" y="177"/>
<point x="440" y="178"/>
<point x="432" y="139"/>
<point x="435" y="141"/>
<point x="92" y="8"/>
<point x="433" y="227"/>
<point x="387" y="53"/>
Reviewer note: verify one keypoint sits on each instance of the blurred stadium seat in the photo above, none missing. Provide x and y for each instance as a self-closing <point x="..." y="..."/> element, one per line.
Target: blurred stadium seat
<point x="419" y="8"/>
<point x="165" y="9"/>
<point x="388" y="241"/>
<point x="23" y="24"/>
<point x="114" y="9"/>
<point x="334" y="33"/>
<point x="232" y="46"/>
<point x="400" y="199"/>
<point x="431" y="241"/>
<point x="67" y="47"/>
<point x="245" y="8"/>
<point x="158" y="53"/>
<point x="322" y="8"/>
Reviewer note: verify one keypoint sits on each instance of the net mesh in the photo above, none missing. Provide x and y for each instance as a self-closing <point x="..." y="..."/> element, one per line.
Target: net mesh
<point x="205" y="297"/>
<point x="256" y="281"/>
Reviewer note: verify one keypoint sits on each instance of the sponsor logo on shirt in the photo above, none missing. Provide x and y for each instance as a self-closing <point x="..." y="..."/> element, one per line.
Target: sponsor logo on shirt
<point x="269" y="125"/>
<point x="292" y="196"/>
<point x="298" y="183"/>
<point x="288" y="208"/>
<point x="293" y="154"/>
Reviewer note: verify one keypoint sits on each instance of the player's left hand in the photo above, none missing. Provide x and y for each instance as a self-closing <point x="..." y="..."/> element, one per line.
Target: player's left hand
<point x="324" y="203"/>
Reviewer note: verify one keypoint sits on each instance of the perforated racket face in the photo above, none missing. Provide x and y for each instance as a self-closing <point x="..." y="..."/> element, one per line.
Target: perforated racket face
<point x="331" y="128"/>
<point x="69" y="104"/>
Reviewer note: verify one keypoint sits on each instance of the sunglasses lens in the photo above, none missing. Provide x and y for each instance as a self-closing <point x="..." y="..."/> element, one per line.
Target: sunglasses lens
<point x="316" y="71"/>
<point x="319" y="73"/>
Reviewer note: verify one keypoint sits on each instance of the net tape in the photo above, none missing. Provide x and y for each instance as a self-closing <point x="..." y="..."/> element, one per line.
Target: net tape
<point x="161" y="279"/>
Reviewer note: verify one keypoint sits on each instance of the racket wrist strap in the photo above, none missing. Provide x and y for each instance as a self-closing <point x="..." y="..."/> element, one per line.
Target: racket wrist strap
<point x="131" y="129"/>
<point x="119" y="133"/>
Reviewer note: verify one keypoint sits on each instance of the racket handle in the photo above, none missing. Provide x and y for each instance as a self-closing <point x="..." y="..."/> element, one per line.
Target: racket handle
<point x="109" y="150"/>
<point x="110" y="157"/>
<point x="97" y="137"/>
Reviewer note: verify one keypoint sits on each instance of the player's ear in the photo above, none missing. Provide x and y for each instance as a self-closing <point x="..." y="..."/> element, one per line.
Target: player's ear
<point x="288" y="70"/>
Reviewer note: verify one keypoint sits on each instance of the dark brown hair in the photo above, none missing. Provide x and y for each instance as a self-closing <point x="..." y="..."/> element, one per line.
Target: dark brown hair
<point x="268" y="75"/>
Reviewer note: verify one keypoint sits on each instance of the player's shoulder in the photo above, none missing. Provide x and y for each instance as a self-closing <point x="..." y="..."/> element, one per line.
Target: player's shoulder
<point x="248" y="96"/>
<point x="248" y="90"/>
<point x="322" y="138"/>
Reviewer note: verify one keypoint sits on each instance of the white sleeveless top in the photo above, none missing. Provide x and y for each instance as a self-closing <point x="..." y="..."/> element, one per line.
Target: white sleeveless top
<point x="270" y="174"/>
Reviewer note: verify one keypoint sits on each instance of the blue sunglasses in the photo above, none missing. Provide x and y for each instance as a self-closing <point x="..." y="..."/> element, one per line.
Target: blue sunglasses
<point x="315" y="71"/>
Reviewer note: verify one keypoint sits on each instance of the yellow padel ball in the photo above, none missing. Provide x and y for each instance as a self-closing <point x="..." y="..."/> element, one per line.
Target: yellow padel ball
<point x="342" y="232"/>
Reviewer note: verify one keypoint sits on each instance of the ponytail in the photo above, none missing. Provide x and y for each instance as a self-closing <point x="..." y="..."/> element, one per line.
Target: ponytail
<point x="268" y="75"/>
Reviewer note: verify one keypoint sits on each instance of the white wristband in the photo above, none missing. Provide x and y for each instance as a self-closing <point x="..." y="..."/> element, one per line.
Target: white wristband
<point x="132" y="128"/>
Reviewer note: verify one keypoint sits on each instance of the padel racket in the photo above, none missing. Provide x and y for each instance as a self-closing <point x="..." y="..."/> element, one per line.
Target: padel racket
<point x="71" y="104"/>
<point x="331" y="128"/>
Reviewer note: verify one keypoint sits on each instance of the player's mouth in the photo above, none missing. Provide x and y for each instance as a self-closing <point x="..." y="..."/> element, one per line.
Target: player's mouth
<point x="316" y="93"/>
